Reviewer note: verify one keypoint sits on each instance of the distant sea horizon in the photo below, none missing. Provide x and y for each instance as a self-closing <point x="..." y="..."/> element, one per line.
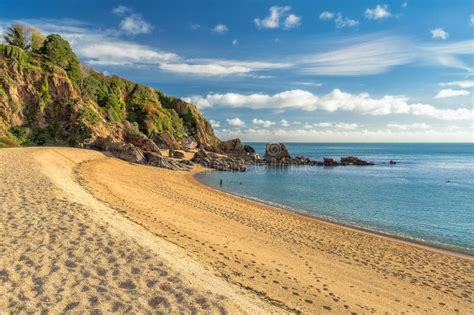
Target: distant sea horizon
<point x="427" y="197"/>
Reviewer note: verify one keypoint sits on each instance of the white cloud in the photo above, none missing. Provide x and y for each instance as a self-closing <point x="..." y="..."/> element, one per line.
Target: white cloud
<point x="414" y="126"/>
<point x="448" y="134"/>
<point x="405" y="4"/>
<point x="132" y="23"/>
<point x="220" y="29"/>
<point x="204" y="69"/>
<point x="462" y="84"/>
<point x="235" y="42"/>
<point x="194" y="26"/>
<point x="451" y="93"/>
<point x="326" y="15"/>
<point x="471" y="19"/>
<point x="307" y="83"/>
<point x="220" y="67"/>
<point x="284" y="123"/>
<point x="121" y="10"/>
<point x="323" y="125"/>
<point x="342" y="21"/>
<point x="371" y="56"/>
<point x="276" y="14"/>
<point x="215" y="124"/>
<point x="337" y="100"/>
<point x="346" y="126"/>
<point x="378" y="13"/>
<point x="439" y="33"/>
<point x="97" y="49"/>
<point x="264" y="123"/>
<point x="368" y="55"/>
<point x="273" y="19"/>
<point x="235" y="122"/>
<point x="292" y="21"/>
<point x="446" y="54"/>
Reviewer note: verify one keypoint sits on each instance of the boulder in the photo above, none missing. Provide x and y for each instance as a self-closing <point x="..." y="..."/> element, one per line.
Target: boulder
<point x="176" y="154"/>
<point x="141" y="141"/>
<point x="276" y="153"/>
<point x="249" y="149"/>
<point x="348" y="160"/>
<point x="189" y="143"/>
<point x="329" y="162"/>
<point x="232" y="147"/>
<point x="219" y="162"/>
<point x="155" y="159"/>
<point x="121" y="150"/>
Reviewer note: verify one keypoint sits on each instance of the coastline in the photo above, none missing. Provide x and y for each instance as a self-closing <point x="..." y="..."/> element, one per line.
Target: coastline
<point x="291" y="261"/>
<point x="134" y="237"/>
<point x="391" y="237"/>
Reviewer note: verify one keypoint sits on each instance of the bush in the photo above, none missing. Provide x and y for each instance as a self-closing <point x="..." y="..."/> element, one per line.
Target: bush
<point x="21" y="134"/>
<point x="7" y="142"/>
<point x="13" y="52"/>
<point x="59" y="52"/>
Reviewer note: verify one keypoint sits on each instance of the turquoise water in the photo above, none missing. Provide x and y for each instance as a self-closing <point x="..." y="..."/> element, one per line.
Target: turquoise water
<point x="428" y="196"/>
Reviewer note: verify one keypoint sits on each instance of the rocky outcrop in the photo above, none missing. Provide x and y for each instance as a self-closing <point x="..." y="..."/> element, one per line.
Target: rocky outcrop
<point x="219" y="162"/>
<point x="277" y="153"/>
<point x="352" y="160"/>
<point x="176" y="154"/>
<point x="133" y="154"/>
<point x="235" y="149"/>
<point x="44" y="102"/>
<point x="155" y="159"/>
<point x="329" y="162"/>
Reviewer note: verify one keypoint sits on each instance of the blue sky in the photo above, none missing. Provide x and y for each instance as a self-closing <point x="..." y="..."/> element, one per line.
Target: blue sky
<point x="390" y="71"/>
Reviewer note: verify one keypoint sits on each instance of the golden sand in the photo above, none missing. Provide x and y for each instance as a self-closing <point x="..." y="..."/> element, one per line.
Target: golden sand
<point x="80" y="227"/>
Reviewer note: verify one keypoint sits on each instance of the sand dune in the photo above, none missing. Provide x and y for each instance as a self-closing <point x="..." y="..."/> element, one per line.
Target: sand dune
<point x="83" y="231"/>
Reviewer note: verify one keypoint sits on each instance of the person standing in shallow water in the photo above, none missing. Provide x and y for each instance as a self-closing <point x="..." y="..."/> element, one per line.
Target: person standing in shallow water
<point x="220" y="182"/>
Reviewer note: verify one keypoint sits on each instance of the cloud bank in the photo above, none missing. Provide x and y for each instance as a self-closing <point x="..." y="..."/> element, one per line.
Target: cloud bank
<point x="336" y="100"/>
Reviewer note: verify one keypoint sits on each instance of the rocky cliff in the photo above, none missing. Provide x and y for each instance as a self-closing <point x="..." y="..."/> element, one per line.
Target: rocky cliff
<point x="48" y="98"/>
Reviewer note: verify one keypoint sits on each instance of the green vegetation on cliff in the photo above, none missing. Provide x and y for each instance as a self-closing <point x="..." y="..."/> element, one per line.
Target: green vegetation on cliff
<point x="48" y="97"/>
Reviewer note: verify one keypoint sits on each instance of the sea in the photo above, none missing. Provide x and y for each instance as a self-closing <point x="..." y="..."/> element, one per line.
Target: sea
<point x="427" y="197"/>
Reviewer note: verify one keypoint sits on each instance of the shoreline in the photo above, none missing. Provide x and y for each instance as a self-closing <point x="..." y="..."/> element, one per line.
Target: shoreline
<point x="295" y="262"/>
<point x="387" y="236"/>
<point x="315" y="217"/>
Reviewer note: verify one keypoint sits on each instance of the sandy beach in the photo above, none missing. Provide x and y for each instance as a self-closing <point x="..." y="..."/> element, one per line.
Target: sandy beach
<point x="83" y="231"/>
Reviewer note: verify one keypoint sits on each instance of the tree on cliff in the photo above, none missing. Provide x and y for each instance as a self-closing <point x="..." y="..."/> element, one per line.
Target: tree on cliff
<point x="17" y="35"/>
<point x="60" y="53"/>
<point x="36" y="38"/>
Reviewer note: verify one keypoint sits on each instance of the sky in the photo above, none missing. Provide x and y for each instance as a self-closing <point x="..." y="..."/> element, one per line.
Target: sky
<point x="303" y="71"/>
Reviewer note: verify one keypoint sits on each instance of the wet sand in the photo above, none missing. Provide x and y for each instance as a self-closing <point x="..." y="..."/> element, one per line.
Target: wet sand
<point x="82" y="210"/>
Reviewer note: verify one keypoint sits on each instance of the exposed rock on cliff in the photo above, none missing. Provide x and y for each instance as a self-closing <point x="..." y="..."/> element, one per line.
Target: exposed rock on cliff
<point x="47" y="98"/>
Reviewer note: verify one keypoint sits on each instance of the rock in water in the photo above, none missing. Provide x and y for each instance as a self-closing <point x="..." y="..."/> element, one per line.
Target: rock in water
<point x="354" y="161"/>
<point x="329" y="162"/>
<point x="276" y="153"/>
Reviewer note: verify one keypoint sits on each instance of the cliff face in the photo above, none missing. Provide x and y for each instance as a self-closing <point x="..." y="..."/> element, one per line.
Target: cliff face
<point x="46" y="99"/>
